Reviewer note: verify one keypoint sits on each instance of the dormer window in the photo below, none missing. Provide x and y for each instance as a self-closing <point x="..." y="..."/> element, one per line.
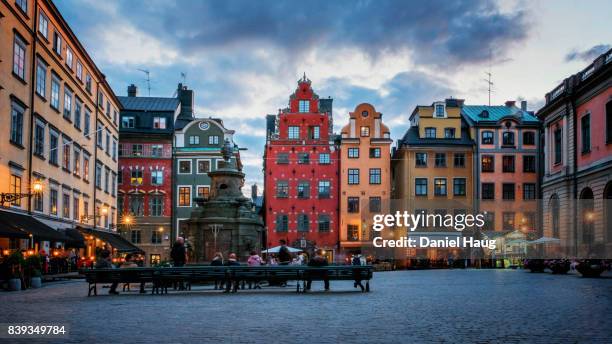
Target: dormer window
<point x="304" y="106"/>
<point x="439" y="110"/>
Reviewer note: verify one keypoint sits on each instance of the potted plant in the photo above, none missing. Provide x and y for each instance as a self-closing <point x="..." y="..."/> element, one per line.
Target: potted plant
<point x="14" y="282"/>
<point x="32" y="269"/>
<point x="15" y="263"/>
<point x="36" y="281"/>
<point x="558" y="266"/>
<point x="591" y="267"/>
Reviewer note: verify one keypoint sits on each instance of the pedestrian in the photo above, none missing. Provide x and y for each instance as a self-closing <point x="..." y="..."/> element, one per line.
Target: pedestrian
<point x="231" y="261"/>
<point x="357" y="274"/>
<point x="104" y="262"/>
<point x="254" y="260"/>
<point x="284" y="256"/>
<point x="178" y="256"/>
<point x="318" y="261"/>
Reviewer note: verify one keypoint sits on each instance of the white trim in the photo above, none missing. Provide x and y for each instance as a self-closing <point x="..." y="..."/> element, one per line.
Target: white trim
<point x="178" y="166"/>
<point x="198" y="163"/>
<point x="178" y="187"/>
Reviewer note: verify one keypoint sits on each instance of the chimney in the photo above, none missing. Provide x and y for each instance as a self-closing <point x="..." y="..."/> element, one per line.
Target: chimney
<point x="185" y="96"/>
<point x="254" y="192"/>
<point x="510" y="103"/>
<point x="132" y="91"/>
<point x="524" y="105"/>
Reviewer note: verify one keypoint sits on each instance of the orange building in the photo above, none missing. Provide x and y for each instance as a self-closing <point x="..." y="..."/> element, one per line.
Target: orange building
<point x="365" y="177"/>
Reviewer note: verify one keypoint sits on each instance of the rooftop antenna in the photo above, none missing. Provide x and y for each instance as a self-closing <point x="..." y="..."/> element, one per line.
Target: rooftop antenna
<point x="148" y="79"/>
<point x="489" y="75"/>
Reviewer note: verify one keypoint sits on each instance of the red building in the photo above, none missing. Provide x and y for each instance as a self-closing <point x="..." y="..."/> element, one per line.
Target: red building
<point x="301" y="174"/>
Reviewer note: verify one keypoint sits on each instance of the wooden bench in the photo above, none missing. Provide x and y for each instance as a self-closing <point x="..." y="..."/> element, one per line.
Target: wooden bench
<point x="162" y="278"/>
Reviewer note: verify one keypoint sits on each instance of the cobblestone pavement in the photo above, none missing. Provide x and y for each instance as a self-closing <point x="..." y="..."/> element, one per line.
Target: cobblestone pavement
<point x="505" y="306"/>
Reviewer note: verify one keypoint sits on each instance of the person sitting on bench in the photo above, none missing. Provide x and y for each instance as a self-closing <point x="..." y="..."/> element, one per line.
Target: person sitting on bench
<point x="318" y="261"/>
<point x="104" y="262"/>
<point x="129" y="263"/>
<point x="231" y="261"/>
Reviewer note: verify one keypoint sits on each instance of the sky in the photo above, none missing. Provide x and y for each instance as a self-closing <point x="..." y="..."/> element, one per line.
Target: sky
<point x="243" y="58"/>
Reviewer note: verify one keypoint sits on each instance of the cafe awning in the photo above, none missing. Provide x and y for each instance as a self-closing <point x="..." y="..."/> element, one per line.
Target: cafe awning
<point x="74" y="238"/>
<point x="113" y="239"/>
<point x="22" y="225"/>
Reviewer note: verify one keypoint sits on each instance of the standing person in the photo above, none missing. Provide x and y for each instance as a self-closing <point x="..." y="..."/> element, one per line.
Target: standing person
<point x="254" y="260"/>
<point x="231" y="261"/>
<point x="318" y="261"/>
<point x="284" y="256"/>
<point x="357" y="261"/>
<point x="178" y="256"/>
<point x="104" y="262"/>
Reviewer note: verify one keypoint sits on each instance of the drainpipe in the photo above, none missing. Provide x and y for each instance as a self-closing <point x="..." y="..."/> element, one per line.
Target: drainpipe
<point x="95" y="145"/>
<point x="32" y="88"/>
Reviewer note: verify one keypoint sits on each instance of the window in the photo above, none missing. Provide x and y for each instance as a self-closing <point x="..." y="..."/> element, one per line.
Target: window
<point x="98" y="176"/>
<point x="375" y="153"/>
<point x="99" y="135"/>
<point x="487" y="138"/>
<point x="66" y="206"/>
<point x="75" y="208"/>
<point x="557" y="145"/>
<point x="508" y="191"/>
<point x="136" y="177"/>
<point x="159" y="122"/>
<point x="17" y="123"/>
<point x="67" y="103"/>
<point x="324" y="223"/>
<point x="38" y="202"/>
<point x="69" y="57"/>
<point x="303" y="190"/>
<point x="439" y="110"/>
<point x="324" y="188"/>
<point x="353" y="204"/>
<point x="282" y="158"/>
<point x="353" y="153"/>
<point x="440" y="159"/>
<point x="108" y="108"/>
<point x="365" y="131"/>
<point x="203" y="166"/>
<point x="156" y="238"/>
<point x="76" y="163"/>
<point x="529" y="191"/>
<point x="352" y="232"/>
<point x="43" y="24"/>
<point x="303" y="158"/>
<point x="375" y="176"/>
<point x="440" y="186"/>
<point x="53" y="147"/>
<point x="585" y="130"/>
<point x="353" y="176"/>
<point x="529" y="138"/>
<point x="19" y="56"/>
<point x="53" y="202"/>
<point x="375" y="204"/>
<point x="303" y="223"/>
<point x="282" y="223"/>
<point x="488" y="190"/>
<point x="100" y="99"/>
<point x="157" y="150"/>
<point x="39" y="139"/>
<point x="459" y="159"/>
<point x="508" y="163"/>
<point x="430" y="133"/>
<point x="459" y="186"/>
<point x="157" y="177"/>
<point x="304" y="106"/>
<point x="57" y="43"/>
<point x="120" y="178"/>
<point x="88" y="82"/>
<point x="508" y="138"/>
<point x="135" y="236"/>
<point x="184" y="196"/>
<point x="114" y="149"/>
<point x="41" y="78"/>
<point x="294" y="133"/>
<point x="449" y="133"/>
<point x="79" y="70"/>
<point x="508" y="221"/>
<point x="85" y="208"/>
<point x="420" y="186"/>
<point x="128" y="122"/>
<point x="529" y="163"/>
<point x="421" y="160"/>
<point x="324" y="158"/>
<point x="66" y="154"/>
<point x="213" y="140"/>
<point x="113" y="183"/>
<point x="77" y="113"/>
<point x="86" y="123"/>
<point x="137" y="149"/>
<point x="204" y="192"/>
<point x="488" y="163"/>
<point x="136" y="205"/>
<point x="55" y="92"/>
<point x="15" y="187"/>
<point x="23" y="5"/>
<point x="314" y="132"/>
<point x="194" y="140"/>
<point x="184" y="166"/>
<point x="156" y="205"/>
<point x="85" y="167"/>
<point x="282" y="189"/>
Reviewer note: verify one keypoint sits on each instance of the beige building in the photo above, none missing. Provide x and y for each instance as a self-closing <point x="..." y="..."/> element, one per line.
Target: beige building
<point x="60" y="121"/>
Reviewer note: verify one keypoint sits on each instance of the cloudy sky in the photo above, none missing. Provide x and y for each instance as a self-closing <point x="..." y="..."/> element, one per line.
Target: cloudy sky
<point x="243" y="58"/>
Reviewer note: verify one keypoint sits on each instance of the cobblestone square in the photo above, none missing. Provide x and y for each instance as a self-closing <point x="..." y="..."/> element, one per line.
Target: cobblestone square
<point x="504" y="306"/>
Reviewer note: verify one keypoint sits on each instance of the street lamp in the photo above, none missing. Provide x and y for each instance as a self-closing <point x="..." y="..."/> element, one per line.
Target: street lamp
<point x="11" y="197"/>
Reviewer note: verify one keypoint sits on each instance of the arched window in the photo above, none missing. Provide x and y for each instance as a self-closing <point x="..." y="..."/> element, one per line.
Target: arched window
<point x="587" y="215"/>
<point x="554" y="215"/>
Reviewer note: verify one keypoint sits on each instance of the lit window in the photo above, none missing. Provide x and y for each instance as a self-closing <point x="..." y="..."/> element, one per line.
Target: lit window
<point x="365" y="131"/>
<point x="440" y="186"/>
<point x="184" y="196"/>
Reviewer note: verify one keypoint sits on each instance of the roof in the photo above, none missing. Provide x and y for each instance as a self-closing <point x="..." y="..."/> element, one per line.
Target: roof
<point x="412" y="138"/>
<point x="149" y="103"/>
<point x="496" y="113"/>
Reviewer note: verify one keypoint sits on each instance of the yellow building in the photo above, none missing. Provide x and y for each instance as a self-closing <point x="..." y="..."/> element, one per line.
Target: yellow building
<point x="365" y="177"/>
<point x="59" y="121"/>
<point x="433" y="170"/>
